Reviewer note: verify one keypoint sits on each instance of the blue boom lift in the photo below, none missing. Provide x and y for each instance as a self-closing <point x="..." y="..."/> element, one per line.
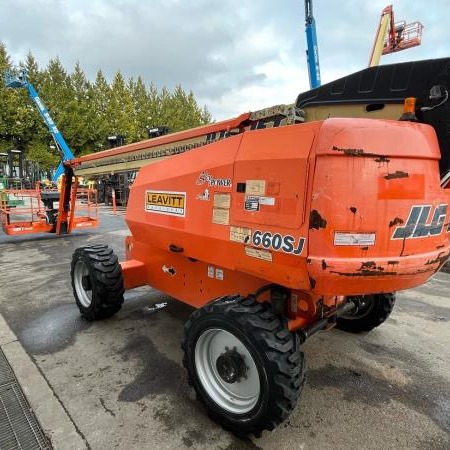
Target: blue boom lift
<point x="20" y="80"/>
<point x="312" y="53"/>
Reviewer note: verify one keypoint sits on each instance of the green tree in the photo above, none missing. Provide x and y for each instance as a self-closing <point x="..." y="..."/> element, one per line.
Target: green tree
<point x="120" y="110"/>
<point x="101" y="97"/>
<point x="143" y="107"/>
<point x="38" y="151"/>
<point x="5" y="101"/>
<point x="79" y="129"/>
<point x="87" y="113"/>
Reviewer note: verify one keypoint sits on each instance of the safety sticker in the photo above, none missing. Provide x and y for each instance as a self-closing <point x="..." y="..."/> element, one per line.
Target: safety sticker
<point x="251" y="203"/>
<point x="240" y="234"/>
<point x="210" y="271"/>
<point x="204" y="195"/>
<point x="166" y="202"/>
<point x="255" y="187"/>
<point x="258" y="253"/>
<point x="219" y="274"/>
<point x="358" y="239"/>
<point x="222" y="200"/>
<point x="169" y="270"/>
<point x="221" y="216"/>
<point x="269" y="201"/>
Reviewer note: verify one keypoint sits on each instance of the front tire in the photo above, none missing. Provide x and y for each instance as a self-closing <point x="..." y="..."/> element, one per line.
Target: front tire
<point x="243" y="363"/>
<point x="372" y="311"/>
<point x="97" y="282"/>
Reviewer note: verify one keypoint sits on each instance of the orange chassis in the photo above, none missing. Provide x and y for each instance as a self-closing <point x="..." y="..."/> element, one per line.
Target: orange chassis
<point x="273" y="235"/>
<point x="326" y="210"/>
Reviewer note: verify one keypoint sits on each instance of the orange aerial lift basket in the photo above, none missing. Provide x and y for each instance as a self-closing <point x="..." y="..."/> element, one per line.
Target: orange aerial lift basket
<point x="394" y="36"/>
<point x="42" y="211"/>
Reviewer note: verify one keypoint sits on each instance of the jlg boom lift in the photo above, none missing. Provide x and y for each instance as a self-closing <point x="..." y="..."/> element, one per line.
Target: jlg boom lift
<point x="394" y="36"/>
<point x="273" y="233"/>
<point x="48" y="210"/>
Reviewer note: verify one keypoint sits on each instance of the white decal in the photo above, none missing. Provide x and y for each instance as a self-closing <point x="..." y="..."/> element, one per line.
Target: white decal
<point x="204" y="195"/>
<point x="258" y="253"/>
<point x="358" y="239"/>
<point x="169" y="270"/>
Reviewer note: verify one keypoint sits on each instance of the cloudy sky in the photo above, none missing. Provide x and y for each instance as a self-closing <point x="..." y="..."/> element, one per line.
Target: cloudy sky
<point x="236" y="55"/>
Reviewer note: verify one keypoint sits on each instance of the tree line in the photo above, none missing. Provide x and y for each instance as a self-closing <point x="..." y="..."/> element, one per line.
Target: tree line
<point x="87" y="112"/>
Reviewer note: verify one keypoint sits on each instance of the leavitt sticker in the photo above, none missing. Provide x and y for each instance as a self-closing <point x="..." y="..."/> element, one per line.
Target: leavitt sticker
<point x="166" y="202"/>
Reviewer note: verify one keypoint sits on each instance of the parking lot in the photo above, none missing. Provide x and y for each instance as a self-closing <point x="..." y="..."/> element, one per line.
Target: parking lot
<point x="119" y="383"/>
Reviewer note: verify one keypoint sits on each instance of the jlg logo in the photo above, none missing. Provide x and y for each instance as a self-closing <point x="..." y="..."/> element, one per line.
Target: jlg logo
<point x="416" y="226"/>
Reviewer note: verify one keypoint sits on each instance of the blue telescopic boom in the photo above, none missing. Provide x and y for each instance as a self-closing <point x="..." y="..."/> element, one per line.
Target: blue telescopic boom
<point x="312" y="53"/>
<point x="22" y="81"/>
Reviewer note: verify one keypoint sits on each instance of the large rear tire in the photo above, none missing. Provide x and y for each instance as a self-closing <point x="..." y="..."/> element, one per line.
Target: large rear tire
<point x="372" y="311"/>
<point x="243" y="363"/>
<point x="97" y="282"/>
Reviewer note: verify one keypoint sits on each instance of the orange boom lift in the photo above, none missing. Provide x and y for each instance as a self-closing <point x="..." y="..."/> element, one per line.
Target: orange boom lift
<point x="273" y="233"/>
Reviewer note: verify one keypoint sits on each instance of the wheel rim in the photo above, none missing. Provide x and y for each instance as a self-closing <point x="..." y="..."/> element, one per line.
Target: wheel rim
<point x="84" y="292"/>
<point x="239" y="396"/>
<point x="362" y="311"/>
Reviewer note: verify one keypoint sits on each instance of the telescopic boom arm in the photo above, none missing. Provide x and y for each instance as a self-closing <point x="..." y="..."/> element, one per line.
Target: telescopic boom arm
<point x="312" y="53"/>
<point x="21" y="80"/>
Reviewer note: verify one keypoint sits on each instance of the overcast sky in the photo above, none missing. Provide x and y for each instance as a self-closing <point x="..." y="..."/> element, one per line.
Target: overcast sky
<point x="235" y="55"/>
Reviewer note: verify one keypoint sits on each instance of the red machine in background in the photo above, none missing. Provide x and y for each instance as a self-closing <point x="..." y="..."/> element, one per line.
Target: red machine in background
<point x="48" y="210"/>
<point x="394" y="36"/>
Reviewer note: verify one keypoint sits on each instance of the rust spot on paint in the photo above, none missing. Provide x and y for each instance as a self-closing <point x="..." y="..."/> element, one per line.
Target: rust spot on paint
<point x="324" y="265"/>
<point x="364" y="248"/>
<point x="349" y="151"/>
<point x="367" y="265"/>
<point x="397" y="174"/>
<point x="353" y="209"/>
<point x="396" y="221"/>
<point x="440" y="259"/>
<point x="312" y="281"/>
<point x="316" y="221"/>
<point x="366" y="273"/>
<point x="382" y="159"/>
<point x="372" y="273"/>
<point x="359" y="152"/>
<point x="393" y="263"/>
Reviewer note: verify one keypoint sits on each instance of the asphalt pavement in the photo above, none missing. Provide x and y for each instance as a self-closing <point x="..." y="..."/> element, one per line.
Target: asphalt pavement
<point x="119" y="383"/>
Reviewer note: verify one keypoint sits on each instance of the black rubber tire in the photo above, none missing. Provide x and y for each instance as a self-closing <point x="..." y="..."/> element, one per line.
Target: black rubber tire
<point x="105" y="278"/>
<point x="379" y="308"/>
<point x="274" y="349"/>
